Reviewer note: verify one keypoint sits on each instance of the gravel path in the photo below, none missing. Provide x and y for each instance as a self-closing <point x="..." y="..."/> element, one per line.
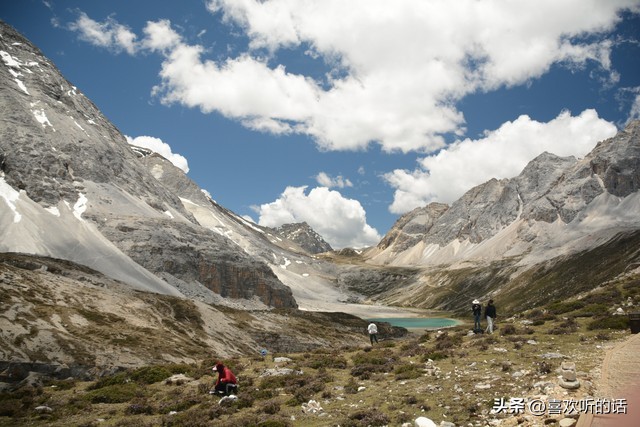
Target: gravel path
<point x="619" y="379"/>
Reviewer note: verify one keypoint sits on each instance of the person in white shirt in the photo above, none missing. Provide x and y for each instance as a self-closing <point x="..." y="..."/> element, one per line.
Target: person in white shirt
<point x="373" y="332"/>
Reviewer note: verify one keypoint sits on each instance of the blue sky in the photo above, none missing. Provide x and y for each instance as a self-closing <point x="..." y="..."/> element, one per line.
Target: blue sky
<point x="347" y="114"/>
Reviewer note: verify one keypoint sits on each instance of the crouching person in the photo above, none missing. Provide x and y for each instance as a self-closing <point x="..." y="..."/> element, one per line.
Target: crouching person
<point x="227" y="383"/>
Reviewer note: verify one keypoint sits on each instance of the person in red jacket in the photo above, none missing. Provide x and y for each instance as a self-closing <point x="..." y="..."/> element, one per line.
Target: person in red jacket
<point x="227" y="382"/>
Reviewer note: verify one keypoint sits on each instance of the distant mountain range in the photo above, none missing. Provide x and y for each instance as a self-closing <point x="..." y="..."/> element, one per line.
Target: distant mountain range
<point x="73" y="189"/>
<point x="561" y="227"/>
<point x="557" y="205"/>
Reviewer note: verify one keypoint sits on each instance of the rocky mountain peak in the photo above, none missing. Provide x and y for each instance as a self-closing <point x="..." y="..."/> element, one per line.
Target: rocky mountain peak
<point x="81" y="193"/>
<point x="506" y="214"/>
<point x="617" y="161"/>
<point x="304" y="236"/>
<point x="411" y="228"/>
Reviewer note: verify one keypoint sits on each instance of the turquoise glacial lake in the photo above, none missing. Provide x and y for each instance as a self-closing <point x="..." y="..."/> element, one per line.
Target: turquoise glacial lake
<point x="418" y="322"/>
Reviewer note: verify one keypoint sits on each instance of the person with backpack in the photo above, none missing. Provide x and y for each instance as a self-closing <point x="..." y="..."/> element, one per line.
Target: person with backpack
<point x="226" y="383"/>
<point x="476" y="309"/>
<point x="490" y="314"/>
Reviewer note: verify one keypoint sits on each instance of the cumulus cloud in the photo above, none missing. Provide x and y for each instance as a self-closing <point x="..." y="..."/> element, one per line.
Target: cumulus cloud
<point x="158" y="146"/>
<point x="159" y="36"/>
<point x="109" y="34"/>
<point x="501" y="153"/>
<point x="327" y="181"/>
<point x="395" y="71"/>
<point x="403" y="66"/>
<point x="340" y="221"/>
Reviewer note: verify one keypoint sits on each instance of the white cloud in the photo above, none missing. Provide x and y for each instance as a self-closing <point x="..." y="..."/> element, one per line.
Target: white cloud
<point x="327" y="181"/>
<point x="405" y="64"/>
<point x="634" y="112"/>
<point x="109" y="34"/>
<point x="160" y="36"/>
<point x="158" y="146"/>
<point x="502" y="153"/>
<point x="395" y="70"/>
<point x="340" y="221"/>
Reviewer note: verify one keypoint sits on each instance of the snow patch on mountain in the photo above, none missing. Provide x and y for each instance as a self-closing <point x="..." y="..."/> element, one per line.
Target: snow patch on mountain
<point x="10" y="196"/>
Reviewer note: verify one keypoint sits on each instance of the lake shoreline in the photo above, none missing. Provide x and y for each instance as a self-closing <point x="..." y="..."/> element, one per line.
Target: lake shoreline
<point x="418" y="324"/>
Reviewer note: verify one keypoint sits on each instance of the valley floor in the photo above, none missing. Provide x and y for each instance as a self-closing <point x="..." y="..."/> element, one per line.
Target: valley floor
<point x="447" y="376"/>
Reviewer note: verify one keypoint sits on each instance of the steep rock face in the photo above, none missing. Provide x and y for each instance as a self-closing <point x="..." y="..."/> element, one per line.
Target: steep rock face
<point x="304" y="236"/>
<point x="412" y="227"/>
<point x="54" y="138"/>
<point x="59" y="151"/>
<point x="477" y="215"/>
<point x="175" y="250"/>
<point x="617" y="161"/>
<point x="534" y="183"/>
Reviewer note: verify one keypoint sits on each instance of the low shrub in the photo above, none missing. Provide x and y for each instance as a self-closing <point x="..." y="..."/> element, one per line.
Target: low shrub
<point x="562" y="307"/>
<point x="139" y="406"/>
<point x="365" y="371"/>
<point x="447" y="341"/>
<point x="508" y="329"/>
<point x="318" y="361"/>
<point x="351" y="387"/>
<point x="609" y="295"/>
<point x="407" y="372"/>
<point x="424" y="337"/>
<point x="67" y="384"/>
<point x="609" y="322"/>
<point x="603" y="336"/>
<point x="150" y="374"/>
<point x="568" y="326"/>
<point x="179" y="404"/>
<point x="270" y="407"/>
<point x="116" y="393"/>
<point x="371" y="358"/>
<point x="544" y="367"/>
<point x="261" y="394"/>
<point x="591" y="310"/>
<point x="411" y="348"/>
<point x="367" y="418"/>
<point x="116" y="379"/>
<point x="434" y="355"/>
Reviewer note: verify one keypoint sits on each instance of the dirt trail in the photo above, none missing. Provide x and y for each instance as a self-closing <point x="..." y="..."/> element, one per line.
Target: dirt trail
<point x="619" y="379"/>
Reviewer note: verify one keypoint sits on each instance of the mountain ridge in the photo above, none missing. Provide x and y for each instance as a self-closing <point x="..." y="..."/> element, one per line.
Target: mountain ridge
<point x="59" y="151"/>
<point x="549" y="189"/>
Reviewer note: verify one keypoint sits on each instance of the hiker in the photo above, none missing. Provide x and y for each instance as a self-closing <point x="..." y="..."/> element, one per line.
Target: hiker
<point x="476" y="308"/>
<point x="227" y="382"/>
<point x="373" y="332"/>
<point x="490" y="314"/>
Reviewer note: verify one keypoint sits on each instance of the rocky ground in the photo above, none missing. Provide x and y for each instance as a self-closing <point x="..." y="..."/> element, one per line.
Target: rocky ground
<point x="452" y="377"/>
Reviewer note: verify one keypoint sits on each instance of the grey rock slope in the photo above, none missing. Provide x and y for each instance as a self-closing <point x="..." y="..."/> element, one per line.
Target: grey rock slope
<point x="305" y="236"/>
<point x="552" y="206"/>
<point x="313" y="281"/>
<point x="64" y="319"/>
<point x="74" y="189"/>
